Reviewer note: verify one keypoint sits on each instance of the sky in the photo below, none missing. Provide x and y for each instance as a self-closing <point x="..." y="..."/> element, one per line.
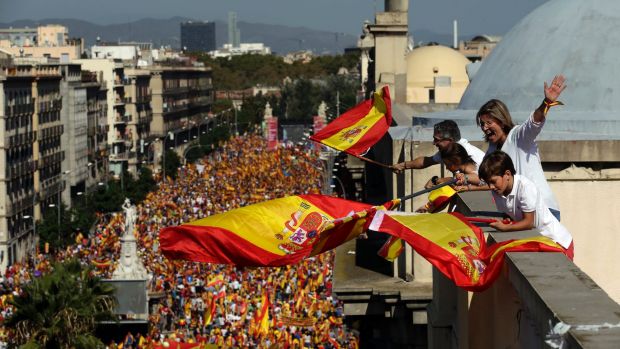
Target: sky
<point x="493" y="17"/>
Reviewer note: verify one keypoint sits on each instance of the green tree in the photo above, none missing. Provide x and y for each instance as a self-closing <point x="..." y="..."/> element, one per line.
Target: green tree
<point x="173" y="162"/>
<point x="60" y="309"/>
<point x="301" y="99"/>
<point x="54" y="229"/>
<point x="108" y="198"/>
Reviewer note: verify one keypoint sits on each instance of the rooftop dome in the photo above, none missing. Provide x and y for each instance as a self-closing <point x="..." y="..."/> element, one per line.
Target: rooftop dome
<point x="436" y="73"/>
<point x="575" y="38"/>
<point x="426" y="62"/>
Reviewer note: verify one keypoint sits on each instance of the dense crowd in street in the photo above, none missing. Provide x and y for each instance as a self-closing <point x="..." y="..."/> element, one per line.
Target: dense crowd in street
<point x="208" y="303"/>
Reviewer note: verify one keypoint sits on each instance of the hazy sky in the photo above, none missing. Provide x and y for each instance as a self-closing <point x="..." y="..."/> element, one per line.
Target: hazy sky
<point x="346" y="16"/>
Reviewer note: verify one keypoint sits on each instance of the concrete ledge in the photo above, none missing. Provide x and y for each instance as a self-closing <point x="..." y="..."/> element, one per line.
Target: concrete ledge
<point x="554" y="289"/>
<point x="533" y="293"/>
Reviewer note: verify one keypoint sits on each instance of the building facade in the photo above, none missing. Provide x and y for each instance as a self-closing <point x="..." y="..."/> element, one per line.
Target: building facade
<point x="75" y="139"/>
<point x="198" y="36"/>
<point x="50" y="41"/>
<point x="181" y="100"/>
<point x="30" y="153"/>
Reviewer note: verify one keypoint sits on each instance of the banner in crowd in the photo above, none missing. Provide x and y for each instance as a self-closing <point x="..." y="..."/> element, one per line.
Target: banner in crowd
<point x="360" y="127"/>
<point x="318" y="123"/>
<point x="272" y="133"/>
<point x="456" y="247"/>
<point x="272" y="233"/>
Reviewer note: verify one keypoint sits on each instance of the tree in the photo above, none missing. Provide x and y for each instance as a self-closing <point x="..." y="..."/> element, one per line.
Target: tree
<point x="60" y="309"/>
<point x="58" y="233"/>
<point x="173" y="162"/>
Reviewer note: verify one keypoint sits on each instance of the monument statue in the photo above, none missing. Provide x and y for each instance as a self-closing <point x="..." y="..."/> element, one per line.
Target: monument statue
<point x="129" y="267"/>
<point x="268" y="111"/>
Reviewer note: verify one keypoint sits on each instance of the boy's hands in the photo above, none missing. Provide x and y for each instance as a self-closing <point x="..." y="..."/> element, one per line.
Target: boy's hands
<point x="503" y="225"/>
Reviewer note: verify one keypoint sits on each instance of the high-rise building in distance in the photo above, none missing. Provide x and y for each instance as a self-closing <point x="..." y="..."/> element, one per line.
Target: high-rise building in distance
<point x="234" y="35"/>
<point x="198" y="36"/>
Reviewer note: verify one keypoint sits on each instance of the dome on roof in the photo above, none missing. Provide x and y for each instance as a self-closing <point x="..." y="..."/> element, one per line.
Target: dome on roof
<point x="437" y="68"/>
<point x="559" y="37"/>
<point x="575" y="38"/>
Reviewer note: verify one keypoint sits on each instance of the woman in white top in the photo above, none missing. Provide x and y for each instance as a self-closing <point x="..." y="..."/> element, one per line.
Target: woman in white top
<point x="520" y="141"/>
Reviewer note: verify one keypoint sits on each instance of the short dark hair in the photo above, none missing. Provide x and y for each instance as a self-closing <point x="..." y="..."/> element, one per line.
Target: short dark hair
<point x="455" y="151"/>
<point x="448" y="129"/>
<point x="495" y="164"/>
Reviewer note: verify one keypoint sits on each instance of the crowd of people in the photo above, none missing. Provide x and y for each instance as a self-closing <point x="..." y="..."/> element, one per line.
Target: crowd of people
<point x="208" y="303"/>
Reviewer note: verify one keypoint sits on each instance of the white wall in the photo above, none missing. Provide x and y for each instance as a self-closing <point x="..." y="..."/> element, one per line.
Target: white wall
<point x="591" y="212"/>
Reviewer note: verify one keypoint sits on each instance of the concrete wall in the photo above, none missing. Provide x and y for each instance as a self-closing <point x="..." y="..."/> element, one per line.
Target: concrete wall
<point x="533" y="293"/>
<point x="590" y="212"/>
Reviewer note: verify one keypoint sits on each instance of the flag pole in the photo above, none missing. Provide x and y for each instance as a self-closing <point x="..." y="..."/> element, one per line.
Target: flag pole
<point x="363" y="158"/>
<point x="418" y="193"/>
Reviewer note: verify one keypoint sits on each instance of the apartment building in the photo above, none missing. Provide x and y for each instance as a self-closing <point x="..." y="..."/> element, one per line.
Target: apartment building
<point x="96" y="126"/>
<point x="74" y="116"/>
<point x="118" y="138"/>
<point x="50" y="41"/>
<point x="30" y="153"/>
<point x="180" y="101"/>
<point x="140" y="115"/>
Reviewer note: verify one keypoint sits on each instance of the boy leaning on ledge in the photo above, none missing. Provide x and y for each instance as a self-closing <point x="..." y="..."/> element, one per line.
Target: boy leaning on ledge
<point x="519" y="198"/>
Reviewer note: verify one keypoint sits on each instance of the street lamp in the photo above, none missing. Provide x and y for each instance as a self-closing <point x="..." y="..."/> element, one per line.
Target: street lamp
<point x="171" y="135"/>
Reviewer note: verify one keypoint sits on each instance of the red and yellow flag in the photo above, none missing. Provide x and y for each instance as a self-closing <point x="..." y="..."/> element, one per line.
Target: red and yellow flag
<point x="456" y="247"/>
<point x="391" y="249"/>
<point x="272" y="233"/>
<point x="360" y="127"/>
<point x="262" y="316"/>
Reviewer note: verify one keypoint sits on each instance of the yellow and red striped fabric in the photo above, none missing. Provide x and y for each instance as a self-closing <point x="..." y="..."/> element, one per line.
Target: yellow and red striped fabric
<point x="262" y="316"/>
<point x="438" y="199"/>
<point x="456" y="247"/>
<point x="360" y="127"/>
<point x="272" y="233"/>
<point x="391" y="249"/>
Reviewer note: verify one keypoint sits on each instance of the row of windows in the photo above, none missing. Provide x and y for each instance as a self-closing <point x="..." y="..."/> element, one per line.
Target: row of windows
<point x="49" y="117"/>
<point x="19" y="154"/>
<point x="52" y="143"/>
<point x="20" y="186"/>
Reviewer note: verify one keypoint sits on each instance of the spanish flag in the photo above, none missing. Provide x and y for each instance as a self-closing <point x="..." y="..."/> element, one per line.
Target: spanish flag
<point x="391" y="249"/>
<point x="456" y="247"/>
<point x="272" y="233"/>
<point x="360" y="127"/>
<point x="262" y="316"/>
<point x="216" y="281"/>
<point x="439" y="198"/>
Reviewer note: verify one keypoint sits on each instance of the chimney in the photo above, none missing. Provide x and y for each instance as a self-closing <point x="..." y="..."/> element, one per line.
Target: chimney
<point x="396" y="5"/>
<point x="456" y="35"/>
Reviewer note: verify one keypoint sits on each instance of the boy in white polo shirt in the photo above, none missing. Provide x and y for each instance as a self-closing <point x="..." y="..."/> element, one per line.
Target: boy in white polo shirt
<point x="518" y="197"/>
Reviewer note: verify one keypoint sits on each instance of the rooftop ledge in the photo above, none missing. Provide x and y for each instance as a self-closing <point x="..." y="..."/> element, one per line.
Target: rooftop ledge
<point x="550" y="289"/>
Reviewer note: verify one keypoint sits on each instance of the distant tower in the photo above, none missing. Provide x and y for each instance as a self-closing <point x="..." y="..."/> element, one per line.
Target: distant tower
<point x="384" y="46"/>
<point x="234" y="34"/>
<point x="198" y="36"/>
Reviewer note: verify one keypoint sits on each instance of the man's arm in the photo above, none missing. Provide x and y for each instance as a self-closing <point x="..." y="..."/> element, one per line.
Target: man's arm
<point x="416" y="164"/>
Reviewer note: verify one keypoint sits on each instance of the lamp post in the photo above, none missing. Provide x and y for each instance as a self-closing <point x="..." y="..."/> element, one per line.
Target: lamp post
<point x="59" y="200"/>
<point x="163" y="153"/>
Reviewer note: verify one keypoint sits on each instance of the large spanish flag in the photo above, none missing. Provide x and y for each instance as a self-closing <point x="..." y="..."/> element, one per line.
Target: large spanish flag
<point x="360" y="127"/>
<point x="272" y="233"/>
<point x="438" y="199"/>
<point x="456" y="247"/>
